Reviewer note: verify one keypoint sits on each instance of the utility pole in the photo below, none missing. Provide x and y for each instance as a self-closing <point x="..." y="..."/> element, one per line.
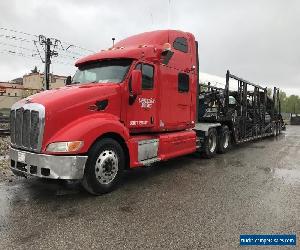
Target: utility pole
<point x="47" y="62"/>
<point x="48" y="42"/>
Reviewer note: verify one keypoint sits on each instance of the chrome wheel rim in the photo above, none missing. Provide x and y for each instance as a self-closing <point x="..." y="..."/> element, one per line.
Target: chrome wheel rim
<point x="212" y="143"/>
<point x="106" y="167"/>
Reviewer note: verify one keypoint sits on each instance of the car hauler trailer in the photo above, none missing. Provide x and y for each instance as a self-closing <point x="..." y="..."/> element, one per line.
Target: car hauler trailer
<point x="134" y="104"/>
<point x="235" y="116"/>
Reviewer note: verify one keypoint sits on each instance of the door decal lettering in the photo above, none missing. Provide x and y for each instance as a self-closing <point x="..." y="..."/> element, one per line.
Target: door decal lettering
<point x="146" y="102"/>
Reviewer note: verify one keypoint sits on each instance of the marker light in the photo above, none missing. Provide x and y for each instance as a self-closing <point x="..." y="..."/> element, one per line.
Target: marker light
<point x="166" y="47"/>
<point x="64" y="147"/>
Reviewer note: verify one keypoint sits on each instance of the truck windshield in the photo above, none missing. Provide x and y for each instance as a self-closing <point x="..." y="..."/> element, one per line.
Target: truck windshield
<point x="108" y="71"/>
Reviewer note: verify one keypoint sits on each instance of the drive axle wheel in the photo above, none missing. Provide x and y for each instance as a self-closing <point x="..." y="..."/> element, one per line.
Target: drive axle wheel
<point x="224" y="142"/>
<point x="210" y="144"/>
<point x="104" y="167"/>
<point x="274" y="130"/>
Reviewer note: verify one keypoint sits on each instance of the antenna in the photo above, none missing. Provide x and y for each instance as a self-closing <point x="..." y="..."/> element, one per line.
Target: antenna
<point x="113" y="40"/>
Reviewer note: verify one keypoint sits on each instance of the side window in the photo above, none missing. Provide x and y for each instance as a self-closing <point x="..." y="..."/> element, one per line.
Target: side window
<point x="147" y="75"/>
<point x="181" y="44"/>
<point x="90" y="75"/>
<point x="183" y="82"/>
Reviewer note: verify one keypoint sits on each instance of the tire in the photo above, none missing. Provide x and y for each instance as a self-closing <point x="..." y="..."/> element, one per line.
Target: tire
<point x="278" y="125"/>
<point x="274" y="130"/>
<point x="224" y="142"/>
<point x="104" y="168"/>
<point x="210" y="144"/>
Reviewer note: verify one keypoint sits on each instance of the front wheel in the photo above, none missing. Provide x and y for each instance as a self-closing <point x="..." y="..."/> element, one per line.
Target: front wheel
<point x="104" y="167"/>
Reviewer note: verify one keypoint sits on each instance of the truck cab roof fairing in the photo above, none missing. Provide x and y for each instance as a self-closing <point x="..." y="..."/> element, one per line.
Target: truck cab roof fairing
<point x="131" y="53"/>
<point x="132" y="47"/>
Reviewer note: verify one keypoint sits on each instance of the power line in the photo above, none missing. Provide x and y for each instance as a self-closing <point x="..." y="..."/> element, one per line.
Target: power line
<point x="16" y="31"/>
<point x="69" y="56"/>
<point x="50" y="46"/>
<point x="15" y="46"/>
<point x="70" y="45"/>
<point x="63" y="63"/>
<point x="13" y="37"/>
<point x="35" y="42"/>
<point x="69" y="52"/>
<point x="66" y="47"/>
<point x="33" y="56"/>
<point x="12" y="52"/>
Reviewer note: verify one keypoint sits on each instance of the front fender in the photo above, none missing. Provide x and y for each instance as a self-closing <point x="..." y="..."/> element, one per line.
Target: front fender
<point x="88" y="129"/>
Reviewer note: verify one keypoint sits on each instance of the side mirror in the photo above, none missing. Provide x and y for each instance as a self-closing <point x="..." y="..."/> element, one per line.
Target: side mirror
<point x="69" y="80"/>
<point x="136" y="82"/>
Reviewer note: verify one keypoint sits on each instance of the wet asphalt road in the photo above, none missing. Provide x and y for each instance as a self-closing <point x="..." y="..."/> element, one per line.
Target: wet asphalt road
<point x="188" y="203"/>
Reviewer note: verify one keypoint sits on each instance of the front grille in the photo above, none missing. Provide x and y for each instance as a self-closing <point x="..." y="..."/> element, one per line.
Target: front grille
<point x="25" y="129"/>
<point x="26" y="126"/>
<point x="35" y="128"/>
<point x="12" y="125"/>
<point x="18" y="128"/>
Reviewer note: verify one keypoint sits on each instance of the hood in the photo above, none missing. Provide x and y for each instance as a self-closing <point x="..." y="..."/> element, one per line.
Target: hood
<point x="68" y="104"/>
<point x="73" y="96"/>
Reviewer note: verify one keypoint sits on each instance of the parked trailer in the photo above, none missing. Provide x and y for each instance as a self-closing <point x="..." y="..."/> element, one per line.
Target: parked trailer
<point x="130" y="106"/>
<point x="243" y="115"/>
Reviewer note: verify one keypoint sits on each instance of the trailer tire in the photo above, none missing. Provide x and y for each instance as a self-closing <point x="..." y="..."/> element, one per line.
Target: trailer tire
<point x="104" y="168"/>
<point x="278" y="128"/>
<point x="210" y="144"/>
<point x="275" y="130"/>
<point x="224" y="142"/>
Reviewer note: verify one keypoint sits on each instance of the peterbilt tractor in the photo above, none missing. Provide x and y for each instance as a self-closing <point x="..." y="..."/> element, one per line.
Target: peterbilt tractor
<point x="132" y="105"/>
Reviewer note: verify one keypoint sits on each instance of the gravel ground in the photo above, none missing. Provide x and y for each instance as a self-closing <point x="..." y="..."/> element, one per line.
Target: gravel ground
<point x="5" y="173"/>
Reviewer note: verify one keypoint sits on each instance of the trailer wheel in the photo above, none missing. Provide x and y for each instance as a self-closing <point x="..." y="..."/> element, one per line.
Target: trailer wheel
<point x="278" y="128"/>
<point x="210" y="145"/>
<point x="104" y="167"/>
<point x="275" y="129"/>
<point x="224" y="142"/>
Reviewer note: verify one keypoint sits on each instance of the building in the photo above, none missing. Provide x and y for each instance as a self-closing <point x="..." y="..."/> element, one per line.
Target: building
<point x="36" y="81"/>
<point x="9" y="94"/>
<point x="18" y="80"/>
<point x="32" y="83"/>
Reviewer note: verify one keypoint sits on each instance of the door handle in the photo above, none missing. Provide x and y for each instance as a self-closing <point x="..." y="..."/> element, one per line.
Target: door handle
<point x="151" y="120"/>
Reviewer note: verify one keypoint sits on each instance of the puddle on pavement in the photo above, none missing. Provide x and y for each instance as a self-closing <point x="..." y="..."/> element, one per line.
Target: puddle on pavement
<point x="290" y="176"/>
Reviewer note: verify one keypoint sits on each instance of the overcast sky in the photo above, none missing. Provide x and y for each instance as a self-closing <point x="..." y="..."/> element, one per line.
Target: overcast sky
<point x="258" y="40"/>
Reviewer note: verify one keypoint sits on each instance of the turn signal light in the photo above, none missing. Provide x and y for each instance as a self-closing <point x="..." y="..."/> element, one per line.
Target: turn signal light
<point x="60" y="147"/>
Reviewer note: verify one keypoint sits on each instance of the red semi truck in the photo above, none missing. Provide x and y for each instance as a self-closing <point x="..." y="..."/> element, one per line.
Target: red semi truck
<point x="134" y="104"/>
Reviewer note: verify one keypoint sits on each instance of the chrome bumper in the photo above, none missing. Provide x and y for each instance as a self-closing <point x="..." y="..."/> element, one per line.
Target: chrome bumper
<point x="47" y="166"/>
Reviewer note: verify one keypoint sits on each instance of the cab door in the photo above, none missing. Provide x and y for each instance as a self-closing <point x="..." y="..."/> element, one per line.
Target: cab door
<point x="177" y="85"/>
<point x="141" y="109"/>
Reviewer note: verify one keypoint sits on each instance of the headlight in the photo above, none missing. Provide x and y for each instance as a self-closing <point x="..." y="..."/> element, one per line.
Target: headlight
<point x="67" y="146"/>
